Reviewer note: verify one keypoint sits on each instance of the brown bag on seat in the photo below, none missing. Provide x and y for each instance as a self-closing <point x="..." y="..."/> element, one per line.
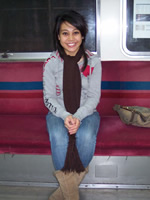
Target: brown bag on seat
<point x="134" y="115"/>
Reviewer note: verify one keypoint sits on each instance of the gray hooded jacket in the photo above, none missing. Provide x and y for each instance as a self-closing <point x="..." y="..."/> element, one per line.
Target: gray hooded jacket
<point x="53" y="86"/>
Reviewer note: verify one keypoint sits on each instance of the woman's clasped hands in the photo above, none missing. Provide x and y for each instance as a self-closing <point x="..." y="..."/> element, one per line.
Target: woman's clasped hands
<point x="72" y="124"/>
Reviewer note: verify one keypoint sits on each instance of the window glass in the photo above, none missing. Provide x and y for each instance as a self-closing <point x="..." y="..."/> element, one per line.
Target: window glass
<point x="27" y="25"/>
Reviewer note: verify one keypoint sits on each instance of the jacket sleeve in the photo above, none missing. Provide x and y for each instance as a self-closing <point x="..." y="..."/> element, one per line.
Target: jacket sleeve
<point x="93" y="94"/>
<point x="49" y="90"/>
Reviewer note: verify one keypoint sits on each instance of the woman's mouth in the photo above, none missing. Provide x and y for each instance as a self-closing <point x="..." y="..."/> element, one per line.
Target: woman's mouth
<point x="71" y="44"/>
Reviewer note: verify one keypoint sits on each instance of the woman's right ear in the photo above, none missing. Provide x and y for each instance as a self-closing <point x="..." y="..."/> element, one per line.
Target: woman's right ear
<point x="58" y="37"/>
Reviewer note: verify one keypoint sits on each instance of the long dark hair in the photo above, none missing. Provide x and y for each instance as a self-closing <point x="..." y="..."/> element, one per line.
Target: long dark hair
<point x="76" y="20"/>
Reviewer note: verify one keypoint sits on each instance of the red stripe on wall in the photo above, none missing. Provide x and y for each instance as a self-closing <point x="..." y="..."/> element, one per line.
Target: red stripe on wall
<point x="21" y="71"/>
<point x="21" y="95"/>
<point x="125" y="95"/>
<point x="125" y="70"/>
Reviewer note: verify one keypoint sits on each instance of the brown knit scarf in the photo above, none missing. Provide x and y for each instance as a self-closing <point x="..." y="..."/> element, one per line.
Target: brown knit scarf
<point x="72" y="93"/>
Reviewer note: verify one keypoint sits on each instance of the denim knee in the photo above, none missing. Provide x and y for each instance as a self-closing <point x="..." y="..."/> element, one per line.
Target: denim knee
<point x="58" y="133"/>
<point x="88" y="130"/>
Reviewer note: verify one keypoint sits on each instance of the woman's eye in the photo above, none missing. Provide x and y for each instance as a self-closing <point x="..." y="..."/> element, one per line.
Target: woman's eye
<point x="64" y="33"/>
<point x="76" y="32"/>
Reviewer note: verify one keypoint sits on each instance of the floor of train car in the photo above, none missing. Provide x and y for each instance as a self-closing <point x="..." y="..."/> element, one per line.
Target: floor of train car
<point x="42" y="193"/>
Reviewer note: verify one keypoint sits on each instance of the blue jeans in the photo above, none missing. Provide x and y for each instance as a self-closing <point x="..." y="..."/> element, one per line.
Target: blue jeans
<point x="85" y="139"/>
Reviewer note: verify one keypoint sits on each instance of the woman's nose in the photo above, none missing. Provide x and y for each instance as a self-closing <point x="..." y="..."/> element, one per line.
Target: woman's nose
<point x="71" y="37"/>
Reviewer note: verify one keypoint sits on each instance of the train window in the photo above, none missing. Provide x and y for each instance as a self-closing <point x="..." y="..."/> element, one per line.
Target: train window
<point x="136" y="27"/>
<point x="26" y="26"/>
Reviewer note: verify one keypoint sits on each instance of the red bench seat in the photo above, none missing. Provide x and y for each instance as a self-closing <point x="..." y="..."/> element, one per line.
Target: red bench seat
<point x="26" y="134"/>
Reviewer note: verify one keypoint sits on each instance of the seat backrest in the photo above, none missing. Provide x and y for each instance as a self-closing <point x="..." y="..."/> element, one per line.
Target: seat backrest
<point x="124" y="83"/>
<point x="21" y="88"/>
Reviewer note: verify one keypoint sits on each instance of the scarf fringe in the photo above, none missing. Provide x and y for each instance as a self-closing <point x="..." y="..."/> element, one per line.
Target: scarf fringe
<point x="73" y="162"/>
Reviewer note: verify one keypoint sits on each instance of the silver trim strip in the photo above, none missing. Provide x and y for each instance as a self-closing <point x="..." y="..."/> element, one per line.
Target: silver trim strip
<point x="98" y="8"/>
<point x="85" y="186"/>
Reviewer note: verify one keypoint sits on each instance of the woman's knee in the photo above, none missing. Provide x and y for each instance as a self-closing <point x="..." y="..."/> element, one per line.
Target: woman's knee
<point x="88" y="130"/>
<point x="86" y="136"/>
<point x="57" y="132"/>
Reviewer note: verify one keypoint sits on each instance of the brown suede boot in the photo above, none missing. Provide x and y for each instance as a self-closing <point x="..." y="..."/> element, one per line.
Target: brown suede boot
<point x="58" y="195"/>
<point x="79" y="177"/>
<point x="68" y="185"/>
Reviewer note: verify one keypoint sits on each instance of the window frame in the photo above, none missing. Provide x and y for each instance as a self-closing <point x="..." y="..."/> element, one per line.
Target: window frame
<point x="125" y="27"/>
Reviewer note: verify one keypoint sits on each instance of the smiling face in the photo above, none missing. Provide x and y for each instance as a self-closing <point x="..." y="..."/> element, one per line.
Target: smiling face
<point x="70" y="38"/>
